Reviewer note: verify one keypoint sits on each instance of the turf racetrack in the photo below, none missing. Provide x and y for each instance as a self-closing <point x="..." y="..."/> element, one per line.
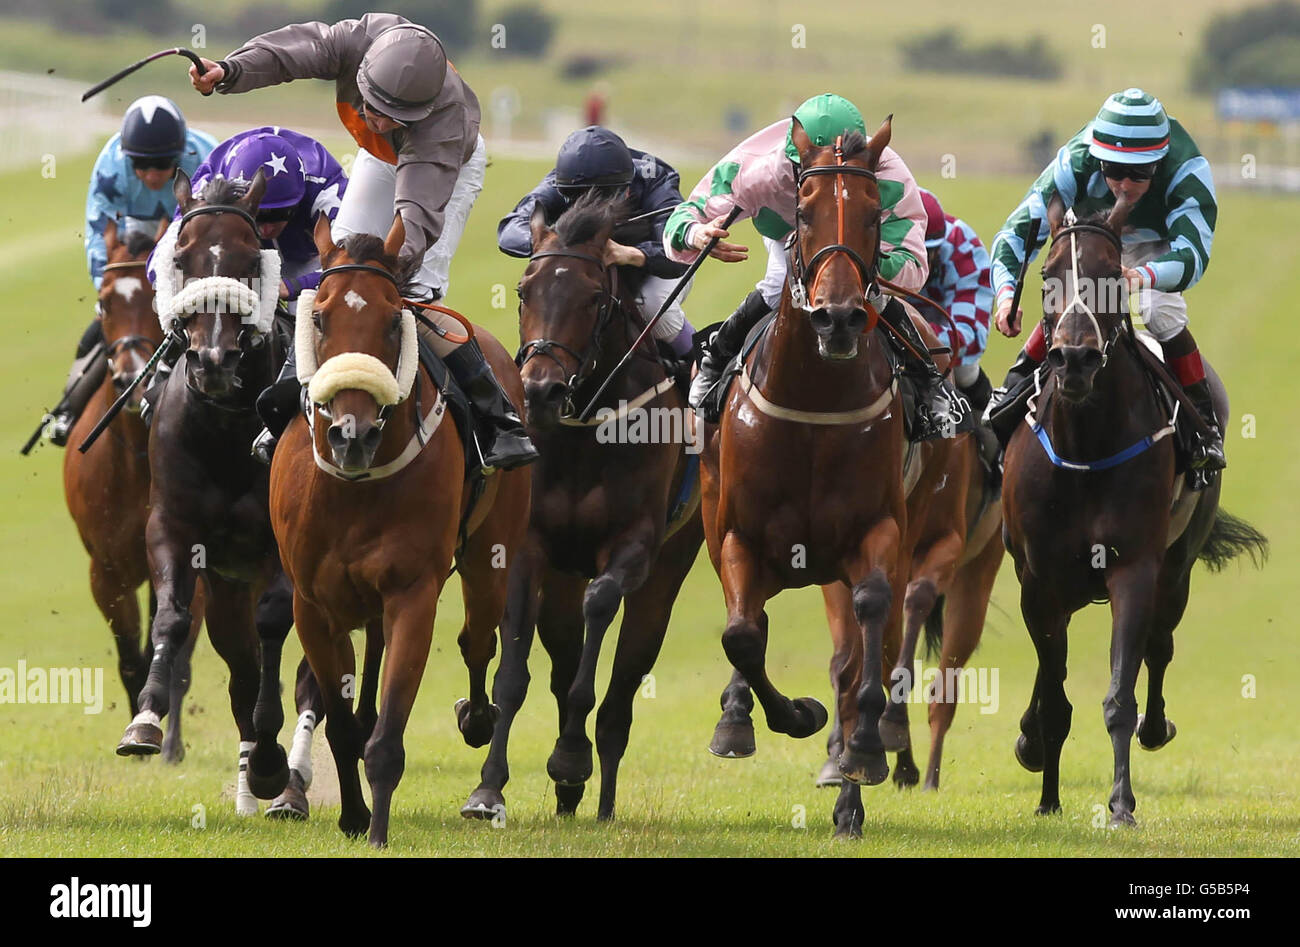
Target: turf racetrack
<point x="1226" y="786"/>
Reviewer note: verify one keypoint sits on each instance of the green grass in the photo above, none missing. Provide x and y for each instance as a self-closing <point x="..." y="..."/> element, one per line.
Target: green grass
<point x="1226" y="786"/>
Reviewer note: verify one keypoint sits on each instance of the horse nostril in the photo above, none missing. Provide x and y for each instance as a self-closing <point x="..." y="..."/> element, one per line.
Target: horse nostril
<point x="1056" y="359"/>
<point x="370" y="440"/>
<point x="337" y="439"/>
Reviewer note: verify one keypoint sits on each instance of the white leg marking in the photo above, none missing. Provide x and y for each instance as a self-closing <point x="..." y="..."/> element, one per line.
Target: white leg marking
<point x="245" y="801"/>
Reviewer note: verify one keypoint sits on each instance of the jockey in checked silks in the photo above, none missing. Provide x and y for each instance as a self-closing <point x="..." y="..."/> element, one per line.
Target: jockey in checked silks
<point x="596" y="159"/>
<point x="759" y="175"/>
<point x="303" y="180"/>
<point x="1134" y="150"/>
<point x="421" y="155"/>
<point x="131" y="185"/>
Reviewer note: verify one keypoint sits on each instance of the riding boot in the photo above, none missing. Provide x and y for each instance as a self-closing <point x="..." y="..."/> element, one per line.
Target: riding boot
<point x="721" y="348"/>
<point x="934" y="409"/>
<point x="1208" y="452"/>
<point x="978" y="394"/>
<point x="1008" y="405"/>
<point x="276" y="406"/>
<point x="84" y="378"/>
<point x="502" y="442"/>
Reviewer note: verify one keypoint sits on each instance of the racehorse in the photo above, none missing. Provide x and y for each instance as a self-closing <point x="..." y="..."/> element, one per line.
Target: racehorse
<point x="107" y="489"/>
<point x="803" y="477"/>
<point x="367" y="501"/>
<point x="217" y="288"/>
<point x="1095" y="508"/>
<point x="611" y="521"/>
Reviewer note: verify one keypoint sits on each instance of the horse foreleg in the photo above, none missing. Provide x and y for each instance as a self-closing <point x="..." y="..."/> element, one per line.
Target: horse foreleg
<point x="1132" y="598"/>
<point x="368" y="695"/>
<point x="408" y="629"/>
<point x="117" y="603"/>
<point x="229" y="617"/>
<point x="733" y="736"/>
<point x="268" y="764"/>
<point x="745" y="642"/>
<point x="1048" y="622"/>
<point x="310" y="703"/>
<point x="627" y="566"/>
<point x="173" y="748"/>
<point x="1154" y="728"/>
<point x="846" y="659"/>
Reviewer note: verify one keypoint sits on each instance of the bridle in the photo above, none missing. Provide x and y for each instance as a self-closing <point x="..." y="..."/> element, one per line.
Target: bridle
<point x="1076" y="303"/>
<point x="250" y="338"/>
<point x="801" y="272"/>
<point x="128" y="341"/>
<point x="587" y="359"/>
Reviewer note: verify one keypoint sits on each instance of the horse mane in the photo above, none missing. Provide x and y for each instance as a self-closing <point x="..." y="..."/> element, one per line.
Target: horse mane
<point x="139" y="242"/>
<point x="219" y="189"/>
<point x="589" y="215"/>
<point x="854" y="144"/>
<point x="368" y="248"/>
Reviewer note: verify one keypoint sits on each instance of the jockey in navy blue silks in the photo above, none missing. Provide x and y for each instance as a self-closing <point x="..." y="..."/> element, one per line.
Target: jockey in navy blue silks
<point x="595" y="157"/>
<point x="303" y="180"/>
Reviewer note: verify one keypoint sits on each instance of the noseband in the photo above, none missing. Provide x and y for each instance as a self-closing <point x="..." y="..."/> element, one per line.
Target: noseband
<point x="1076" y="303"/>
<point x="249" y="337"/>
<point x="129" y="341"/>
<point x="587" y="359"/>
<point x="801" y="292"/>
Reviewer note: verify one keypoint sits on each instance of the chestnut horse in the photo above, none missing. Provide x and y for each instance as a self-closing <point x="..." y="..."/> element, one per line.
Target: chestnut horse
<point x="367" y="499"/>
<point x="217" y="287"/>
<point x="107" y="488"/>
<point x="803" y="477"/>
<point x="599" y="533"/>
<point x="1096" y="510"/>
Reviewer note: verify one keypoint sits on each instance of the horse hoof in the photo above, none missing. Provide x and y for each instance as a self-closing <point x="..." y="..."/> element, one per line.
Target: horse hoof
<point x="1048" y="809"/>
<point x="733" y="740"/>
<point x="141" y="739"/>
<point x="484" y="803"/>
<point x="865" y="769"/>
<point x="809" y="716"/>
<point x="849" y="830"/>
<point x="476" y="729"/>
<point x="1028" y="755"/>
<point x="906" y="775"/>
<point x="292" y="803"/>
<point x="830" y="774"/>
<point x="1123" y="820"/>
<point x="569" y="768"/>
<point x="1170" y="732"/>
<point x="268" y="781"/>
<point x="355" y="826"/>
<point x="567" y="799"/>
<point x="894" y="735"/>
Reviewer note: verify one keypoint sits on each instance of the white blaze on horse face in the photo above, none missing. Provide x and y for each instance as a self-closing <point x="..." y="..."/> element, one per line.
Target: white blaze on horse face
<point x="215" y="250"/>
<point x="561" y="270"/>
<point x="355" y="300"/>
<point x="127" y="286"/>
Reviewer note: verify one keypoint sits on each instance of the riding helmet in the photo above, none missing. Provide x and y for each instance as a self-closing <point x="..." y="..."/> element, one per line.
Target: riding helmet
<point x="279" y="162"/>
<point x="153" y="127"/>
<point x="936" y="226"/>
<point x="1131" y="128"/>
<point x="593" y="157"/>
<point x="403" y="72"/>
<point x="825" y="117"/>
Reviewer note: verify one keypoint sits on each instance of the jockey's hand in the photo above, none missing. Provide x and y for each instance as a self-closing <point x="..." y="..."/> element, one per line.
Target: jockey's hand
<point x="208" y="81"/>
<point x="1133" y="279"/>
<point x="617" y="254"/>
<point x="700" y="235"/>
<point x="1008" y="324"/>
<point x="284" y="290"/>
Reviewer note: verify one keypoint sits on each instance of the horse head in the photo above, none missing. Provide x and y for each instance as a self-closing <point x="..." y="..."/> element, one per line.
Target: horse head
<point x="565" y="305"/>
<point x="361" y="337"/>
<point x="837" y="235"/>
<point x="125" y="305"/>
<point x="219" y="272"/>
<point x="1084" y="296"/>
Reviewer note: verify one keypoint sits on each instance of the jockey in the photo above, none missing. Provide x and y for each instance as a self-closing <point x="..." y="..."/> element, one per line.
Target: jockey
<point x="421" y="156"/>
<point x="1134" y="150"/>
<point x="959" y="282"/>
<point x="303" y="180"/>
<point x="594" y="157"/>
<point x="760" y="175"/>
<point x="130" y="184"/>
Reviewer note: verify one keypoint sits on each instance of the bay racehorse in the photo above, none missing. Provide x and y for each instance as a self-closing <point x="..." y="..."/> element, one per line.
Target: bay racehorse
<point x="615" y="519"/>
<point x="803" y="477"/>
<point x="1095" y="507"/>
<point x="107" y="488"/>
<point x="367" y="499"/>
<point x="208" y="516"/>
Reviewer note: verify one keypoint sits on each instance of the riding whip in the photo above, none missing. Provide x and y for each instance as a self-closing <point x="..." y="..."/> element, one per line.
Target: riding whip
<point x="122" y="399"/>
<point x="174" y="51"/>
<point x="681" y="284"/>
<point x="1031" y="244"/>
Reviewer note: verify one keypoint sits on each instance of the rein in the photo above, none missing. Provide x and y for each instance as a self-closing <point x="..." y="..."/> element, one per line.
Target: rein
<point x="1076" y="303"/>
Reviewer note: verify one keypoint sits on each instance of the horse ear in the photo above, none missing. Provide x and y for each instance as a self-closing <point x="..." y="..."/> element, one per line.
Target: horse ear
<point x="880" y="140"/>
<point x="110" y="236"/>
<point x="322" y="237"/>
<point x="799" y="138"/>
<point x="1118" y="217"/>
<point x="396" y="236"/>
<point x="181" y="188"/>
<point x="537" y="225"/>
<point x="252" y="198"/>
<point x="1055" y="213"/>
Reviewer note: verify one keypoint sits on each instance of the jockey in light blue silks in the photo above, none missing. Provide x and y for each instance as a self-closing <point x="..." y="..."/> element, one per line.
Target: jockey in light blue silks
<point x="130" y="185"/>
<point x="303" y="180"/>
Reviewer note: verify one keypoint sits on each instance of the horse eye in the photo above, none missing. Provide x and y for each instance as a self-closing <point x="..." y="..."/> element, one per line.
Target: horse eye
<point x="315" y="318"/>
<point x="396" y="324"/>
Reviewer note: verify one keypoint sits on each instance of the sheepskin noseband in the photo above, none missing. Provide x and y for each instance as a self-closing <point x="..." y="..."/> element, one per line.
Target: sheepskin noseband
<point x="254" y="304"/>
<point x="352" y="369"/>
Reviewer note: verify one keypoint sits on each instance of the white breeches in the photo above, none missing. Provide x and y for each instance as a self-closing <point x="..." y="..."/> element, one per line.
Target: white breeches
<point x="1164" y="314"/>
<point x="654" y="291"/>
<point x="773" y="281"/>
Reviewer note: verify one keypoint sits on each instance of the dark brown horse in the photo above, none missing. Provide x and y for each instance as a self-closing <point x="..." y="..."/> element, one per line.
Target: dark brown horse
<point x="208" y="497"/>
<point x="367" y="499"/>
<point x="1096" y="510"/>
<point x="803" y="477"/>
<point x="600" y="531"/>
<point x="107" y="488"/>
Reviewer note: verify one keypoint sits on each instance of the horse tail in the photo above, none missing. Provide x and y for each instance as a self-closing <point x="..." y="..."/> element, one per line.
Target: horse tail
<point x="934" y="630"/>
<point x="1229" y="538"/>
